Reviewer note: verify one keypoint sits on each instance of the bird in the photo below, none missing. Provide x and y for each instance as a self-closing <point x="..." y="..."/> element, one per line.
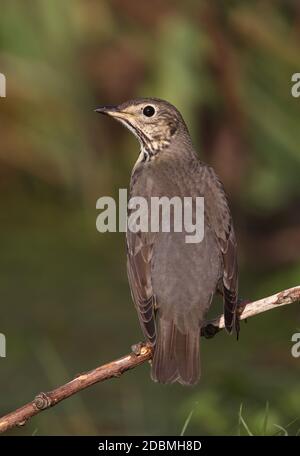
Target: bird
<point x="173" y="282"/>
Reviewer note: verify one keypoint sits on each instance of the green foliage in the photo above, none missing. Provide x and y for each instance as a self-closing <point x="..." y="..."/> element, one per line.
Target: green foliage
<point x="65" y="303"/>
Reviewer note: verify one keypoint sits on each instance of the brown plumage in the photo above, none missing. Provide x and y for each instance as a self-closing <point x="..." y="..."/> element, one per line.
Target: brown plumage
<point x="173" y="282"/>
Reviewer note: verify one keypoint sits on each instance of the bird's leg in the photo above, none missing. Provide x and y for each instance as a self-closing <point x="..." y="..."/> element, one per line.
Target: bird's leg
<point x="241" y="304"/>
<point x="140" y="348"/>
<point x="136" y="348"/>
<point x="209" y="331"/>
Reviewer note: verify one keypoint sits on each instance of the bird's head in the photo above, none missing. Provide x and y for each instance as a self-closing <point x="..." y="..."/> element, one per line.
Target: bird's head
<point x="153" y="121"/>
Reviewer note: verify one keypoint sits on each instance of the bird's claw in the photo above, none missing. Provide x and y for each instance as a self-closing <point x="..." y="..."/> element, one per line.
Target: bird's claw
<point x="241" y="304"/>
<point x="209" y="331"/>
<point x="137" y="348"/>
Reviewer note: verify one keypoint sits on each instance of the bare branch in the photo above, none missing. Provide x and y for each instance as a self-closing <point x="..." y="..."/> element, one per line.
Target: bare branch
<point x="282" y="298"/>
<point x="140" y="354"/>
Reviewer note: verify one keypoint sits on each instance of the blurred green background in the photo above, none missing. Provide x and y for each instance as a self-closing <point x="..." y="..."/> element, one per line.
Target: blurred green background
<point x="65" y="301"/>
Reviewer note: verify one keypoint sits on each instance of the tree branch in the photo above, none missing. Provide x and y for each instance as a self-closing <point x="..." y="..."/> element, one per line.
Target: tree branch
<point x="140" y="354"/>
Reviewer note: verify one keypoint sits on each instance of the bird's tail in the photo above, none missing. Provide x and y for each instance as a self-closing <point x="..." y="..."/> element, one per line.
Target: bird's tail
<point x="176" y="355"/>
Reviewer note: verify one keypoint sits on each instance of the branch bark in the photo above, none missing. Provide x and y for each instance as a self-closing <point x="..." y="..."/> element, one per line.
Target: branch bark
<point x="139" y="355"/>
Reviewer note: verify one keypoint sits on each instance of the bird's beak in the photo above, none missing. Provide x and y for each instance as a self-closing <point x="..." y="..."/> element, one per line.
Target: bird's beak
<point x="107" y="110"/>
<point x="112" y="111"/>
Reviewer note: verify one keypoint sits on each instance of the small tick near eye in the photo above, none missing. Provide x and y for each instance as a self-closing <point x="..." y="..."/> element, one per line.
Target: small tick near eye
<point x="148" y="111"/>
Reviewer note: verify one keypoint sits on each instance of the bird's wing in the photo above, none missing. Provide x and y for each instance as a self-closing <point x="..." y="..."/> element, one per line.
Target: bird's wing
<point x="230" y="280"/>
<point x="139" y="257"/>
<point x="219" y="218"/>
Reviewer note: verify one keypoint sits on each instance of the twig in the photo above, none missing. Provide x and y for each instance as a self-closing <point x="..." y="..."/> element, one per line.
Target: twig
<point x="140" y="354"/>
<point x="282" y="298"/>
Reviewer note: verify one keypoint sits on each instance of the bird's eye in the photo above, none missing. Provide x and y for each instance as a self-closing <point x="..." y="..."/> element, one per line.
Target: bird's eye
<point x="148" y="111"/>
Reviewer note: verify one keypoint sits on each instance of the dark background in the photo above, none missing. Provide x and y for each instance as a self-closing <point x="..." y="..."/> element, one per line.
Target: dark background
<point x="64" y="296"/>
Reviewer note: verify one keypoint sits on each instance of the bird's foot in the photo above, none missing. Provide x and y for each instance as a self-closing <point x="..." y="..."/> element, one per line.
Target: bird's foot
<point x="137" y="348"/>
<point x="241" y="304"/>
<point x="141" y="348"/>
<point x="209" y="331"/>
